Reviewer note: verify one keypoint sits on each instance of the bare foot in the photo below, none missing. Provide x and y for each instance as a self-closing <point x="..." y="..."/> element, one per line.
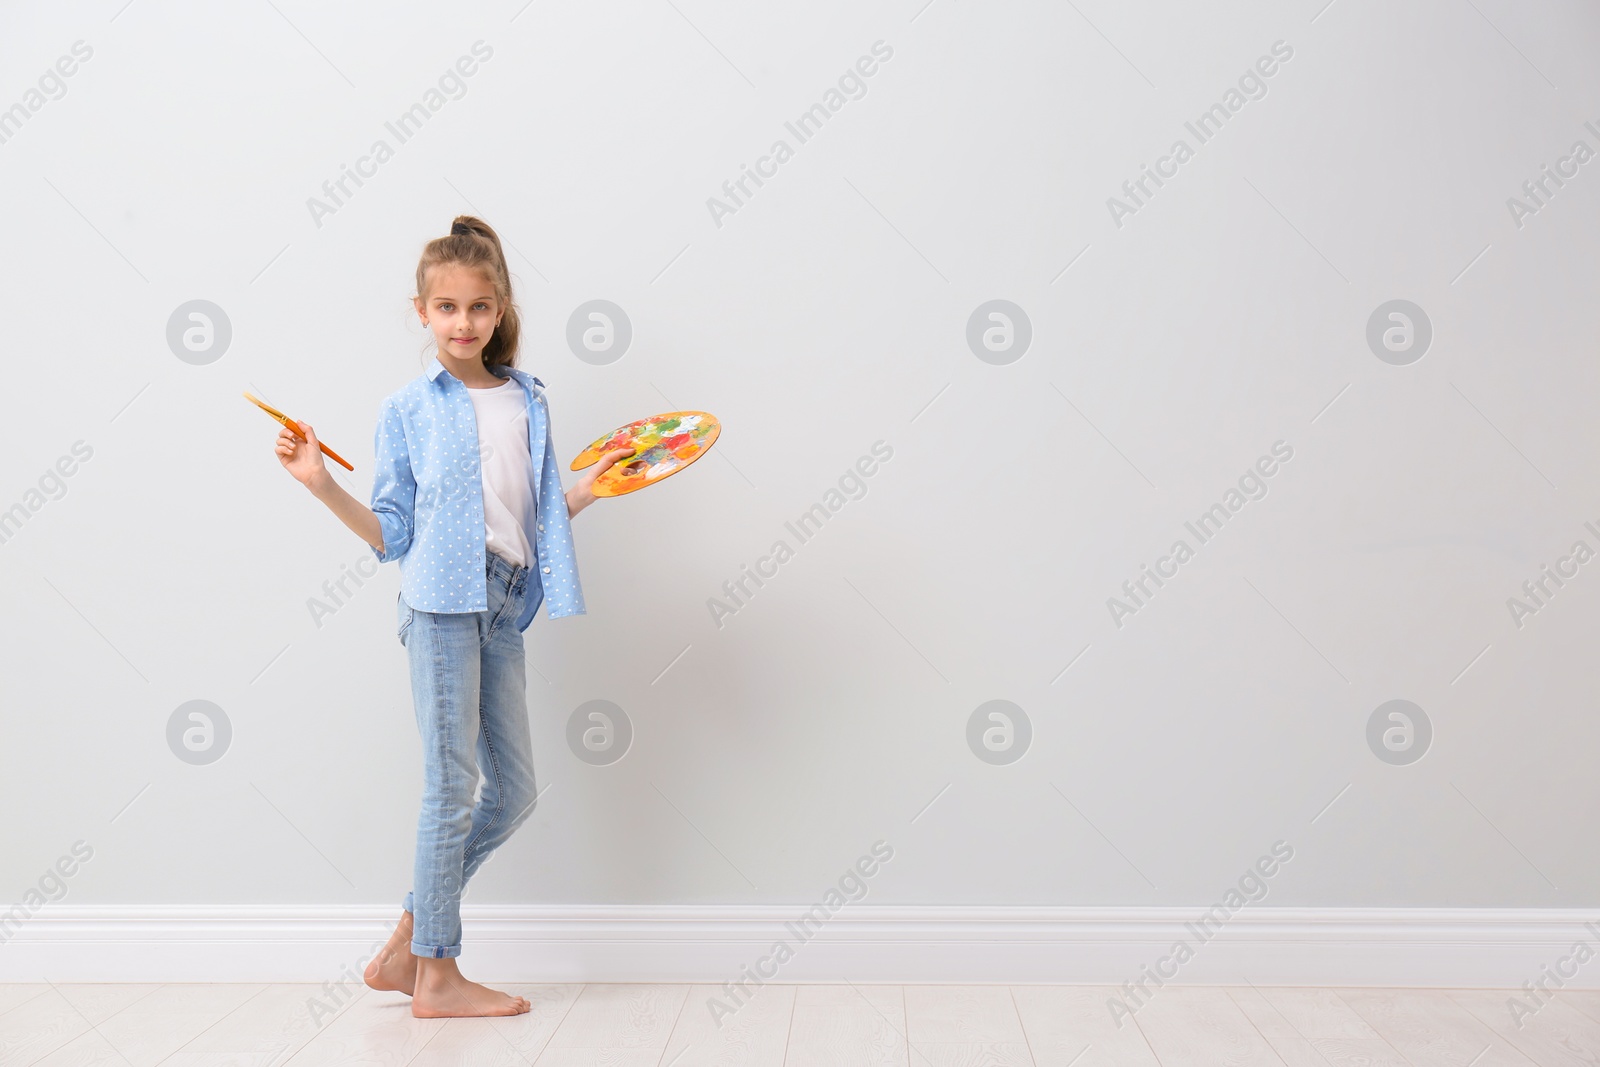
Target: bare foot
<point x="441" y="993"/>
<point x="394" y="967"/>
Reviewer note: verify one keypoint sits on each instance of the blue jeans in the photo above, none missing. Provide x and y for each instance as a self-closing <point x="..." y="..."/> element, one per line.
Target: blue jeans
<point x="469" y="685"/>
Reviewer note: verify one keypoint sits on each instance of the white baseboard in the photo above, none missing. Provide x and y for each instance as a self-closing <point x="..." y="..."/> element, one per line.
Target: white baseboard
<point x="714" y="944"/>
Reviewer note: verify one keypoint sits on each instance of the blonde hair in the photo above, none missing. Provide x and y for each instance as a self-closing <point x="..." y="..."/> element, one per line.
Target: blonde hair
<point x="472" y="243"/>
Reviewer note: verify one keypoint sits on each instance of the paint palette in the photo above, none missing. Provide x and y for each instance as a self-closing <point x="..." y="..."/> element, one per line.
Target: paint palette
<point x="663" y="445"/>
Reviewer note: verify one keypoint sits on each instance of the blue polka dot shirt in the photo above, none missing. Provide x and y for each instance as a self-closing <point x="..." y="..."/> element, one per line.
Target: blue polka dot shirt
<point x="427" y="491"/>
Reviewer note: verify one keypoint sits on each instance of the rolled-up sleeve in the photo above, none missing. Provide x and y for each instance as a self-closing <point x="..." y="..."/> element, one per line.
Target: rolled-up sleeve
<point x="394" y="489"/>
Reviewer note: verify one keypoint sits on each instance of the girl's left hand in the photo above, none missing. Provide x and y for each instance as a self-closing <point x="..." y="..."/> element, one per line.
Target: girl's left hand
<point x="582" y="494"/>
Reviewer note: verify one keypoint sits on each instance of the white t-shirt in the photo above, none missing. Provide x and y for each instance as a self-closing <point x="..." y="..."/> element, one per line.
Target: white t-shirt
<point x="508" y="502"/>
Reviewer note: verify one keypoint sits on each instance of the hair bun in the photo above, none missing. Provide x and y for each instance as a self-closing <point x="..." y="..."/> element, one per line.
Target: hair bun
<point x="460" y="227"/>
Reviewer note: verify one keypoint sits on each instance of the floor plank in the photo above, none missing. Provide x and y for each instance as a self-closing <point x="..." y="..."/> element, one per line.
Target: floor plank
<point x="1558" y="1036"/>
<point x="945" y="1014"/>
<point x="755" y="1034"/>
<point x="630" y="1016"/>
<point x="599" y="1057"/>
<point x="279" y="1019"/>
<point x="88" y="1049"/>
<point x="1585" y="1000"/>
<point x="39" y="1026"/>
<point x="377" y="1028"/>
<point x="1188" y="1025"/>
<point x="224" y="1059"/>
<point x="1314" y="1028"/>
<point x="156" y="1025"/>
<point x="957" y="1025"/>
<point x="1431" y="1030"/>
<point x="863" y="1025"/>
<point x="1073" y="1025"/>
<point x="15" y="993"/>
<point x="99" y="1002"/>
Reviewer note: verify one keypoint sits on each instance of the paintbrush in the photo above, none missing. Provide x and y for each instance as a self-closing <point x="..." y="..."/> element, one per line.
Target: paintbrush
<point x="290" y="424"/>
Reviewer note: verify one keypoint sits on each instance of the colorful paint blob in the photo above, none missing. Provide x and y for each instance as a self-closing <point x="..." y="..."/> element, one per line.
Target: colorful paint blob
<point x="663" y="445"/>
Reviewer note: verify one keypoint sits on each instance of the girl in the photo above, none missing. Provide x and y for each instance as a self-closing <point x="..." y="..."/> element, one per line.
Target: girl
<point x="467" y="496"/>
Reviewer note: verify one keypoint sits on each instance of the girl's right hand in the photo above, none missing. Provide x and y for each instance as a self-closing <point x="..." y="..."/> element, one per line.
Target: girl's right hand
<point x="303" y="459"/>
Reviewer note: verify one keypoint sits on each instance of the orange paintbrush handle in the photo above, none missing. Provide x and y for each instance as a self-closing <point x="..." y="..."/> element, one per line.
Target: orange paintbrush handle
<point x="289" y="424"/>
<point x="326" y="451"/>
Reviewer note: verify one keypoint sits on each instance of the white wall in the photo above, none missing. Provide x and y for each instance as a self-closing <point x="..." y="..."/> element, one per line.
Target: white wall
<point x="1168" y="354"/>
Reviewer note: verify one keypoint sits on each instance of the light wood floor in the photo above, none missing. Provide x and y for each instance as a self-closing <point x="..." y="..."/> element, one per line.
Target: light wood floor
<point x="629" y="1025"/>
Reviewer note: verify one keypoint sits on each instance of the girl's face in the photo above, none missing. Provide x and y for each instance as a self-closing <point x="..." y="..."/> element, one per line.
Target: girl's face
<point x="462" y="312"/>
